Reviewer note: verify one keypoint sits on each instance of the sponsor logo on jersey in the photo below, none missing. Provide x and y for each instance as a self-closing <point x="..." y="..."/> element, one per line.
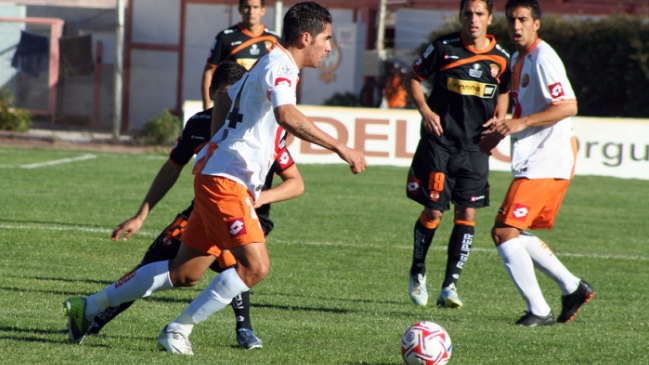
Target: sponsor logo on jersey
<point x="477" y="198"/>
<point x="254" y="50"/>
<point x="526" y="80"/>
<point x="413" y="186"/>
<point x="475" y="71"/>
<point x="495" y="69"/>
<point x="556" y="90"/>
<point x="520" y="212"/>
<point x="451" y="57"/>
<point x="236" y="227"/>
<point x="236" y="43"/>
<point x="428" y="51"/>
<point x="464" y="87"/>
<point x="282" y="81"/>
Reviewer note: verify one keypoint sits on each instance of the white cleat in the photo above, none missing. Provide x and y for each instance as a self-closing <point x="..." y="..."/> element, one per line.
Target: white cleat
<point x="174" y="341"/>
<point x="418" y="291"/>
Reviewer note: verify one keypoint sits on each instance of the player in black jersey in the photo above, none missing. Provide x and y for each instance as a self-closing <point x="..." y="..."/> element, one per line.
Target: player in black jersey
<point x="195" y="134"/>
<point x="470" y="78"/>
<point x="244" y="43"/>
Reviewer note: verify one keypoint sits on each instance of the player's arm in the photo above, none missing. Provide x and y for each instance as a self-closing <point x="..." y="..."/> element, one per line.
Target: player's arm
<point x="166" y="178"/>
<point x="296" y="123"/>
<point x="430" y="119"/>
<point x="291" y="187"/>
<point x="551" y="115"/>
<point x="208" y="72"/>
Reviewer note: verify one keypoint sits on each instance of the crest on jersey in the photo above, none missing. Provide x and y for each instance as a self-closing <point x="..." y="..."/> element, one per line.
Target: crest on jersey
<point x="526" y="80"/>
<point x="495" y="69"/>
<point x="282" y="81"/>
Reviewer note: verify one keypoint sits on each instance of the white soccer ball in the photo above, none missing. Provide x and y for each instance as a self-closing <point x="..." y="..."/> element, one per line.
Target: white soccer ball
<point x="426" y="343"/>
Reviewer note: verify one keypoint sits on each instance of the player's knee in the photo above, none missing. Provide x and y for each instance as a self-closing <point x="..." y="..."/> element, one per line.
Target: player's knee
<point x="181" y="278"/>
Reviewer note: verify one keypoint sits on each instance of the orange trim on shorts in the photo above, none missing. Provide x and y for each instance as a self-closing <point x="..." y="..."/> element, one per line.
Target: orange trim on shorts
<point x="430" y="224"/>
<point x="464" y="223"/>
<point x="226" y="260"/>
<point x="532" y="203"/>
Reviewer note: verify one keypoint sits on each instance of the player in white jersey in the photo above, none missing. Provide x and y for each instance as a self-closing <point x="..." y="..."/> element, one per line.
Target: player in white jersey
<point x="225" y="185"/>
<point x="543" y="149"/>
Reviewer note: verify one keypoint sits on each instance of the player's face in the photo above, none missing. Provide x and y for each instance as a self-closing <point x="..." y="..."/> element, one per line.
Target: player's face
<point x="251" y="12"/>
<point x="475" y="19"/>
<point x="318" y="48"/>
<point x="522" y="28"/>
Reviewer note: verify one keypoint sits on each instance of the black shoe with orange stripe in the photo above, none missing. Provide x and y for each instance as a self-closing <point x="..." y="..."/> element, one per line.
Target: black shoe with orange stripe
<point x="572" y="302"/>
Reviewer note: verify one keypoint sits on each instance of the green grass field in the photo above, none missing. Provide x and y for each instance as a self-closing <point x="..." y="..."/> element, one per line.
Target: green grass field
<point x="337" y="292"/>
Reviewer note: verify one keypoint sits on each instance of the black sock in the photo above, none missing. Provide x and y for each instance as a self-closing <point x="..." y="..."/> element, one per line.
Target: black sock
<point x="459" y="246"/>
<point x="241" y="306"/>
<point x="107" y="315"/>
<point x="423" y="237"/>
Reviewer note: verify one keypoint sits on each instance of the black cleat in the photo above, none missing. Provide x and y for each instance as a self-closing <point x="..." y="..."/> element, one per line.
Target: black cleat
<point x="572" y="302"/>
<point x="532" y="320"/>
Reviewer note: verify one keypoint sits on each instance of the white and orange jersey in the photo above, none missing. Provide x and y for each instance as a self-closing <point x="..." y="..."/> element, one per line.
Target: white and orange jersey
<point x="244" y="149"/>
<point x="539" y="79"/>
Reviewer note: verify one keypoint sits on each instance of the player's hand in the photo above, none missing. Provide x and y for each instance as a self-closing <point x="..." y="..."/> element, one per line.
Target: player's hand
<point x="432" y="124"/>
<point x="129" y="227"/>
<point x="489" y="142"/>
<point x="355" y="159"/>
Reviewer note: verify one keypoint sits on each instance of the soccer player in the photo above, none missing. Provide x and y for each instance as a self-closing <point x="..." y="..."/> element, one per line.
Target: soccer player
<point x="470" y="84"/>
<point x="229" y="173"/>
<point x="244" y="43"/>
<point x="543" y="159"/>
<point x="195" y="134"/>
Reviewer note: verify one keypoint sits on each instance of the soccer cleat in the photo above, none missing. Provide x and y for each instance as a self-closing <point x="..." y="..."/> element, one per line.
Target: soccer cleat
<point x="532" y="320"/>
<point x="572" y="302"/>
<point x="418" y="291"/>
<point x="448" y="297"/>
<point x="174" y="341"/>
<point x="248" y="340"/>
<point x="78" y="325"/>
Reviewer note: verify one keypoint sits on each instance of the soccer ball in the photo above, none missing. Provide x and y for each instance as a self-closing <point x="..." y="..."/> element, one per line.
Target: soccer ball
<point x="426" y="343"/>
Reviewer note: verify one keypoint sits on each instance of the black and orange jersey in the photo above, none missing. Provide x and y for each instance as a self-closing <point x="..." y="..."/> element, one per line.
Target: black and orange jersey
<point x="465" y="87"/>
<point x="239" y="45"/>
<point x="197" y="133"/>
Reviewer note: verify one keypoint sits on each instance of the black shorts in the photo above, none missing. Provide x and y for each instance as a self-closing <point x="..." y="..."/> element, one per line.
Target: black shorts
<point x="439" y="176"/>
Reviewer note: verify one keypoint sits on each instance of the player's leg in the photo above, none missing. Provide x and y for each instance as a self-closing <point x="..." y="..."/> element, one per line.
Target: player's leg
<point x="246" y="337"/>
<point x="164" y="248"/>
<point x="515" y="214"/>
<point x="427" y="185"/>
<point x="575" y="292"/>
<point x="233" y="223"/>
<point x="459" y="247"/>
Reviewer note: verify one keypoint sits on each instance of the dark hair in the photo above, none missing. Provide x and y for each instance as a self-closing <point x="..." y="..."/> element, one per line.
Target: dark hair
<point x="263" y="3"/>
<point x="530" y="4"/>
<point x="228" y="73"/>
<point x="303" y="17"/>
<point x="490" y="5"/>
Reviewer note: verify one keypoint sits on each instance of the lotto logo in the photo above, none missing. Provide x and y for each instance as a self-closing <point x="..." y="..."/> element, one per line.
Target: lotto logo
<point x="556" y="90"/>
<point x="413" y="186"/>
<point x="237" y="227"/>
<point x="520" y="212"/>
<point x="125" y="279"/>
<point x="284" y="159"/>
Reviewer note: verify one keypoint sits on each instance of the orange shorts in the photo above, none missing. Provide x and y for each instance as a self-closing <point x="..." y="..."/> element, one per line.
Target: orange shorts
<point x="532" y="203"/>
<point x="223" y="216"/>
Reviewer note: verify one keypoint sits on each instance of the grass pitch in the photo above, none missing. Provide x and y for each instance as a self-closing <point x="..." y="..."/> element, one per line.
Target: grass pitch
<point x="337" y="292"/>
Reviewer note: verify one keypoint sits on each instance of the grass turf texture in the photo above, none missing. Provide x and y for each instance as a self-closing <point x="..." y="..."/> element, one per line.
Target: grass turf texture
<point x="337" y="292"/>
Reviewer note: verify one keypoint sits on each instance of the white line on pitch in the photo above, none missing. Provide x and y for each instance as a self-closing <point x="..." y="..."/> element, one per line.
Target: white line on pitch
<point x="311" y="243"/>
<point x="56" y="162"/>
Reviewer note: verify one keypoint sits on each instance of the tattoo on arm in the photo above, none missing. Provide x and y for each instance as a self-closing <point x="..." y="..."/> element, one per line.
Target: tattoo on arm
<point x="304" y="133"/>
